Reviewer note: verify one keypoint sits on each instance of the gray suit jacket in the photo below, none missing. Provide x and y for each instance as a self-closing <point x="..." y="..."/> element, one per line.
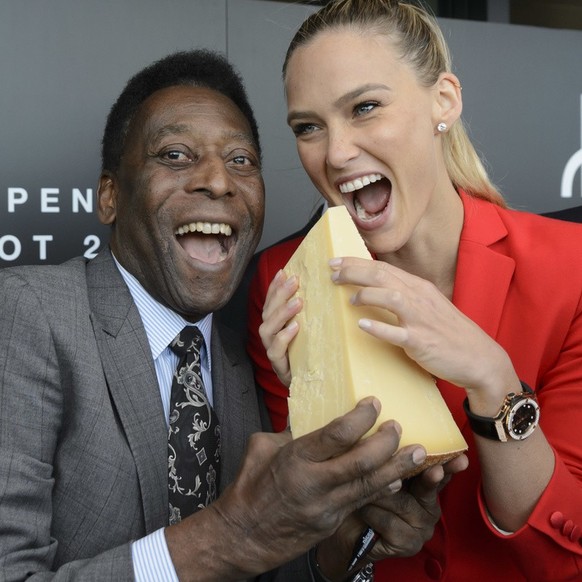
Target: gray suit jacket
<point x="83" y="439"/>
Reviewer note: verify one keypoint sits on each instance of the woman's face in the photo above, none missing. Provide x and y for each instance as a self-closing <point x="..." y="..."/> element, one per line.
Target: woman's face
<point x="366" y="134"/>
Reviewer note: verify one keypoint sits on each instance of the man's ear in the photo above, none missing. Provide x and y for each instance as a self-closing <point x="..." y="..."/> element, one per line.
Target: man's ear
<point x="107" y="199"/>
<point x="448" y="103"/>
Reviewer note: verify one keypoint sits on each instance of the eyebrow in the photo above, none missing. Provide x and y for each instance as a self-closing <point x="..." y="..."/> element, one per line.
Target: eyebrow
<point x="182" y="128"/>
<point x="242" y="136"/>
<point x="174" y="129"/>
<point x="341" y="101"/>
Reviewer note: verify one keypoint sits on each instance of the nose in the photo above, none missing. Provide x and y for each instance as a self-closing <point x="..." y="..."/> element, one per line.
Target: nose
<point x="211" y="176"/>
<point x="341" y="147"/>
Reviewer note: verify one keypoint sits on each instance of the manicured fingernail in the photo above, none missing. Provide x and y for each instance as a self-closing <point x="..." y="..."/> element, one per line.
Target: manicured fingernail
<point x="293" y="302"/>
<point x="418" y="456"/>
<point x="365" y="324"/>
<point x="292" y="326"/>
<point x="335" y="262"/>
<point x="395" y="486"/>
<point x="291" y="282"/>
<point x="279" y="276"/>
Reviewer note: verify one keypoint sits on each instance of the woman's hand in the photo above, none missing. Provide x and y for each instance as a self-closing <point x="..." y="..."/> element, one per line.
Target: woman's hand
<point x="430" y="329"/>
<point x="277" y="331"/>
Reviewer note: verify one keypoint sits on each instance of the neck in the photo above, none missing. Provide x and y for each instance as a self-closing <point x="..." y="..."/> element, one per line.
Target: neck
<point x="431" y="254"/>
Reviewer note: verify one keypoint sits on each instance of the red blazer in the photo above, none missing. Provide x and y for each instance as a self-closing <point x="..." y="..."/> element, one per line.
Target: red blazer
<point x="519" y="276"/>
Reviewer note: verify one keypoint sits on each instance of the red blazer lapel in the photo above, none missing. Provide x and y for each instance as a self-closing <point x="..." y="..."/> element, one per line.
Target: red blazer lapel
<point x="484" y="272"/>
<point x="482" y="279"/>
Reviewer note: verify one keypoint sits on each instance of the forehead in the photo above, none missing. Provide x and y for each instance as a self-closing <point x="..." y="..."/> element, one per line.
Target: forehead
<point x="344" y="56"/>
<point x="193" y="110"/>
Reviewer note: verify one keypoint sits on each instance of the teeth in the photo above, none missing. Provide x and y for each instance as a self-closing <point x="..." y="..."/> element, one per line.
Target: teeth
<point x="205" y="228"/>
<point x="359" y="183"/>
<point x="361" y="211"/>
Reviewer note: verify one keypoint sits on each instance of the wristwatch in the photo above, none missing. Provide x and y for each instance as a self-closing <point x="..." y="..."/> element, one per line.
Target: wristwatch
<point x="517" y="418"/>
<point x="366" y="574"/>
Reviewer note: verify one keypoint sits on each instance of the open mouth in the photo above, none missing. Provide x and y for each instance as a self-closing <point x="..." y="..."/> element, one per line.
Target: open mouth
<point x="209" y="242"/>
<point x="369" y="195"/>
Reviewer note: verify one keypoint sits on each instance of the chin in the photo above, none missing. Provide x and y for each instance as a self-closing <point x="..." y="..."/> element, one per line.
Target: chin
<point x="208" y="296"/>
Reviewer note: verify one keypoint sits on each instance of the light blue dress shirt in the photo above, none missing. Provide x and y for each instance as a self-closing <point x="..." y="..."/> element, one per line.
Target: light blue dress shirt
<point x="151" y="558"/>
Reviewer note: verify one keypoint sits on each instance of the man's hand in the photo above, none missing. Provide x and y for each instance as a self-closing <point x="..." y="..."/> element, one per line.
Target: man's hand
<point x="291" y="494"/>
<point x="404" y="519"/>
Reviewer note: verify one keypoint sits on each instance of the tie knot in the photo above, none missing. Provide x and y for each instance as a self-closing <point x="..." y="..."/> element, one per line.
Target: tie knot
<point x="190" y="339"/>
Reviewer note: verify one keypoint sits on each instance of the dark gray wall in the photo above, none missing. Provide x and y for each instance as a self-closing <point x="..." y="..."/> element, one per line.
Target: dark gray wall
<point x="63" y="63"/>
<point x="522" y="88"/>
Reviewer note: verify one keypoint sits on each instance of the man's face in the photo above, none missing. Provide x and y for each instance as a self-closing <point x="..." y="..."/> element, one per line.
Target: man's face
<point x="187" y="202"/>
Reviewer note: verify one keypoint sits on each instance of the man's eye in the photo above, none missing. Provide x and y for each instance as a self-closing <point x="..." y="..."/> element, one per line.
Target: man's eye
<point x="363" y="108"/>
<point x="242" y="160"/>
<point x="175" y="156"/>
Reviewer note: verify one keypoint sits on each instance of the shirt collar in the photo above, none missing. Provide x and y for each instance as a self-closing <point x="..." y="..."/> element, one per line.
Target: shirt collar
<point x="162" y="324"/>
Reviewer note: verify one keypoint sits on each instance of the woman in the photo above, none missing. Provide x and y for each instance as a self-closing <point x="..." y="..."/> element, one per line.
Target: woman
<point x="488" y="299"/>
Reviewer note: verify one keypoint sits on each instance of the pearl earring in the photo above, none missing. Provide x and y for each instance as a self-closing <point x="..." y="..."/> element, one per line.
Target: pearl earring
<point x="442" y="127"/>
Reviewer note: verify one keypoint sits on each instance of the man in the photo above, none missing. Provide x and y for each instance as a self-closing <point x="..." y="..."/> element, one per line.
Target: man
<point x="86" y="372"/>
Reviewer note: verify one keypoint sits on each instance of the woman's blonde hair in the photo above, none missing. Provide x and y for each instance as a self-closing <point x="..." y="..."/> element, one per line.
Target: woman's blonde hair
<point x="419" y="39"/>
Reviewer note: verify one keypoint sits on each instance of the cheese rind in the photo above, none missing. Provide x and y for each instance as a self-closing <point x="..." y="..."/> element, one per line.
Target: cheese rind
<point x="334" y="363"/>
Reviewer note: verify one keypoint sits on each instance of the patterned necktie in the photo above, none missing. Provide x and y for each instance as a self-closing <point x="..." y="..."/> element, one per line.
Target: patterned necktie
<point x="194" y="435"/>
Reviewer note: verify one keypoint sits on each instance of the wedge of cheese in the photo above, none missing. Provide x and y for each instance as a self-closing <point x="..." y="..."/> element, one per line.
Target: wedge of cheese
<point x="334" y="363"/>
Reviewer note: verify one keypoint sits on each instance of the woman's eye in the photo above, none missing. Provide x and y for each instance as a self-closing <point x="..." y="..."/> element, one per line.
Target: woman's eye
<point x="363" y="108"/>
<point x="304" y="128"/>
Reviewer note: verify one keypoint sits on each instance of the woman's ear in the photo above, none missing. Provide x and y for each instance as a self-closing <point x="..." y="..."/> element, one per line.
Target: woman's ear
<point x="448" y="103"/>
<point x="106" y="199"/>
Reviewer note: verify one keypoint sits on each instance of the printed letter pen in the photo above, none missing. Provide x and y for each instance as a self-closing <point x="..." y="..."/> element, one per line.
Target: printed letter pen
<point x="364" y="545"/>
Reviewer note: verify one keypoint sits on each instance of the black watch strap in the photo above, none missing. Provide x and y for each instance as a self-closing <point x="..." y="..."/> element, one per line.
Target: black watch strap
<point x="485" y="425"/>
<point x="481" y="425"/>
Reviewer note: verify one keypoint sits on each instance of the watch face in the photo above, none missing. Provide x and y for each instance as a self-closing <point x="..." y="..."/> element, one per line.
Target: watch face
<point x="523" y="419"/>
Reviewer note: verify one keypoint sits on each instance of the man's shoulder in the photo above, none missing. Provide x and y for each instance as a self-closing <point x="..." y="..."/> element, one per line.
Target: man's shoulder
<point x="58" y="285"/>
<point x="64" y="276"/>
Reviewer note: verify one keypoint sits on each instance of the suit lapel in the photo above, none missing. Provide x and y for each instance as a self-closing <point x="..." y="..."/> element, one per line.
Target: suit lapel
<point x="132" y="382"/>
<point x="235" y="401"/>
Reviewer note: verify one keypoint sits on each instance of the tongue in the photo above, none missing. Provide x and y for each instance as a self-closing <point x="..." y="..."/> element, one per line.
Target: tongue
<point x="373" y="198"/>
<point x="204" y="247"/>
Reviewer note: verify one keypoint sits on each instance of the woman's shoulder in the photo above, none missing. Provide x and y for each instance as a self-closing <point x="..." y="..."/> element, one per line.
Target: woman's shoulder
<point x="538" y="226"/>
<point x="484" y="216"/>
<point x="548" y="242"/>
<point x="544" y="244"/>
